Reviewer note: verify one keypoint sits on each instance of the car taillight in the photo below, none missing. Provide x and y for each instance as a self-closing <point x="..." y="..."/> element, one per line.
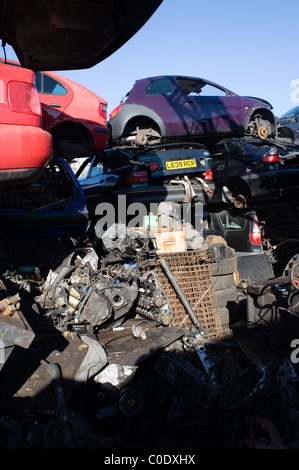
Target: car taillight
<point x="271" y="156"/>
<point x="23" y="98"/>
<point x="208" y="175"/>
<point x="154" y="166"/>
<point x="103" y="110"/>
<point x="255" y="234"/>
<point x="138" y="176"/>
<point x="115" y="111"/>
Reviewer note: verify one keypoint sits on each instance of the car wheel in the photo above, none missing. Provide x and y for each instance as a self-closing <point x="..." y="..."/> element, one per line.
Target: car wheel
<point x="145" y="136"/>
<point x="240" y="194"/>
<point x="141" y="139"/>
<point x="140" y="132"/>
<point x="261" y="128"/>
<point x="264" y="129"/>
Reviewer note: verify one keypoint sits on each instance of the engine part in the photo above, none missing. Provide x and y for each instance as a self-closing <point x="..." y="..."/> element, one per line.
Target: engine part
<point x="130" y="401"/>
<point x="247" y="388"/>
<point x="93" y="362"/>
<point x="9" y="305"/>
<point x="126" y="242"/>
<point x="76" y="293"/>
<point x="64" y="426"/>
<point x="152" y="301"/>
<point x="209" y="366"/>
<point x="188" y="379"/>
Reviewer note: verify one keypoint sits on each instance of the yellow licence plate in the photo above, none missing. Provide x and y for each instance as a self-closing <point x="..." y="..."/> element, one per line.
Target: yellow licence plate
<point x="172" y="165"/>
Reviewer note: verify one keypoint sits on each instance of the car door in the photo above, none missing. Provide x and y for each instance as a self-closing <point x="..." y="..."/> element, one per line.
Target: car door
<point x="54" y="96"/>
<point x="228" y="161"/>
<point x="209" y="110"/>
<point x="160" y="96"/>
<point x="107" y="172"/>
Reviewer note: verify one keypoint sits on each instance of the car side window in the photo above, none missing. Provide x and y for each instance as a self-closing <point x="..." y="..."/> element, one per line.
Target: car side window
<point x="117" y="160"/>
<point x="97" y="170"/>
<point x="210" y="90"/>
<point x="83" y="171"/>
<point x="234" y="149"/>
<point x="229" y="221"/>
<point x="162" y="86"/>
<point x="48" y="85"/>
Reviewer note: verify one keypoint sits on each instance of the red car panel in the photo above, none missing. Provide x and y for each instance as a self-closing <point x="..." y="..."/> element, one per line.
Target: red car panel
<point x="25" y="148"/>
<point x="74" y="115"/>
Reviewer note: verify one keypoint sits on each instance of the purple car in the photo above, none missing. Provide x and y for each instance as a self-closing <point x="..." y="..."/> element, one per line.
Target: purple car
<point x="179" y="107"/>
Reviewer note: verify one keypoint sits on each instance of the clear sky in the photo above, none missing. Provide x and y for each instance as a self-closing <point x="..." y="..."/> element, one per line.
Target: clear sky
<point x="251" y="47"/>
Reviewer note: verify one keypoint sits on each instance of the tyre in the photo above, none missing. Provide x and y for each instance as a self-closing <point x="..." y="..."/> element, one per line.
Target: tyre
<point x="223" y="313"/>
<point x="223" y="281"/>
<point x="226" y="295"/>
<point x="224" y="266"/>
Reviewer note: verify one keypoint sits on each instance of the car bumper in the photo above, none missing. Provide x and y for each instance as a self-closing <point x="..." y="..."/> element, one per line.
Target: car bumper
<point x="25" y="151"/>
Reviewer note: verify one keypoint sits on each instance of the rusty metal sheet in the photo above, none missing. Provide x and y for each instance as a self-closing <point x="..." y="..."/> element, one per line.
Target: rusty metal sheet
<point x="130" y="350"/>
<point x="30" y="390"/>
<point x="15" y="330"/>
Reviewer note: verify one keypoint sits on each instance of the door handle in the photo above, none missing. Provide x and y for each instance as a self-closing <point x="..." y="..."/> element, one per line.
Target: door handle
<point x="55" y="105"/>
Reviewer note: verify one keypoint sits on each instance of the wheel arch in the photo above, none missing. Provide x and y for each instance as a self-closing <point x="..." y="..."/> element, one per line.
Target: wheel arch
<point x="140" y="121"/>
<point x="69" y="131"/>
<point x="286" y="133"/>
<point x="238" y="183"/>
<point x="264" y="114"/>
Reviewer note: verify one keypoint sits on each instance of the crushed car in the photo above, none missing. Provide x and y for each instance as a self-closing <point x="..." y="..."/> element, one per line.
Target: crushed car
<point x="181" y="107"/>
<point x="289" y="122"/>
<point x="177" y="173"/>
<point x="251" y="171"/>
<point x="54" y="206"/>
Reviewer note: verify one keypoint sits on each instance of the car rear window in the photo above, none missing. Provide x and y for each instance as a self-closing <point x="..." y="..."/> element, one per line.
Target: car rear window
<point x="230" y="221"/>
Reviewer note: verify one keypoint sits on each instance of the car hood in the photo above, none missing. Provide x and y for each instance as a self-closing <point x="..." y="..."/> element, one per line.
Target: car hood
<point x="70" y="34"/>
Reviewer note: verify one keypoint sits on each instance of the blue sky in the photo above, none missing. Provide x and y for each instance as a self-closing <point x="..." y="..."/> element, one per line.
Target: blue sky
<point x="250" y="47"/>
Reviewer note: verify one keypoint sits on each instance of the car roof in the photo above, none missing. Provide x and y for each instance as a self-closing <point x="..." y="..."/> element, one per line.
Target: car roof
<point x="70" y="34"/>
<point x="186" y="77"/>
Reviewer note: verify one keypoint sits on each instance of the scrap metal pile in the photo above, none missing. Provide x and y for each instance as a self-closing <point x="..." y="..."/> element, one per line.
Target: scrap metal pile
<point x="122" y="347"/>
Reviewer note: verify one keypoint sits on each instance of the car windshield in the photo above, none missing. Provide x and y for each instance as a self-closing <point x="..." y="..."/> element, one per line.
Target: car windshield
<point x="291" y="113"/>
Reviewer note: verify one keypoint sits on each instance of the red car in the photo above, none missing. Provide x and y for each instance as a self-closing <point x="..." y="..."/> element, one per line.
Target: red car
<point x="25" y="148"/>
<point x="74" y="115"/>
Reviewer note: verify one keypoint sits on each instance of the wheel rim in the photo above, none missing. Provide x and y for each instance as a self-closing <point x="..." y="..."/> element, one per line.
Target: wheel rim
<point x="240" y="201"/>
<point x="263" y="132"/>
<point x="141" y="140"/>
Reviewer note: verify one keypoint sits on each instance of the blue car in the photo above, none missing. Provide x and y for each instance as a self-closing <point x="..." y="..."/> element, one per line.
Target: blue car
<point x="54" y="206"/>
